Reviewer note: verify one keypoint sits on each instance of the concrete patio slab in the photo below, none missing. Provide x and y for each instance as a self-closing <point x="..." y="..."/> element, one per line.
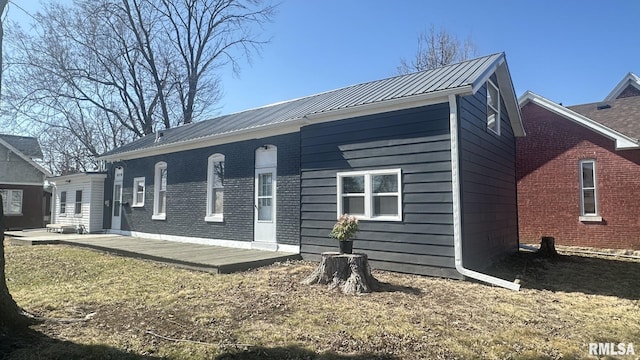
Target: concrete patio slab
<point x="214" y="259"/>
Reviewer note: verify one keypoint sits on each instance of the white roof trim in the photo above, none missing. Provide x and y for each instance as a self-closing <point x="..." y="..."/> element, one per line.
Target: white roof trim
<point x="25" y="157"/>
<point x="622" y="141"/>
<point x="629" y="79"/>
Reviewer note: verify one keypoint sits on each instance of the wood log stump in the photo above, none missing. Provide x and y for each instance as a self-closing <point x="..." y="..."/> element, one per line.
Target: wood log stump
<point x="350" y="273"/>
<point x="548" y="247"/>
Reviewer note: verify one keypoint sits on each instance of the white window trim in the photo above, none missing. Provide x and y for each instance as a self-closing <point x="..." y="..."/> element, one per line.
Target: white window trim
<point x="8" y="194"/>
<point x="156" y="192"/>
<point x="498" y="119"/>
<point x="584" y="216"/>
<point x="135" y="191"/>
<point x="210" y="216"/>
<point x="368" y="195"/>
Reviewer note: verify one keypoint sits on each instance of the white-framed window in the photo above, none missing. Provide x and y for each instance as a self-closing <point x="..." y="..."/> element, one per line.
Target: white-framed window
<point x="160" y="192"/>
<point x="138" y="192"/>
<point x="371" y="194"/>
<point x="588" y="189"/>
<point x="63" y="203"/>
<point x="77" y="209"/>
<point x="215" y="188"/>
<point x="11" y="201"/>
<point x="493" y="108"/>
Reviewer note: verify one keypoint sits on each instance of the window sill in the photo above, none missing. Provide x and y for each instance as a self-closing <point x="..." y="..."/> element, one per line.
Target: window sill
<point x="378" y="218"/>
<point x="591" y="219"/>
<point x="13" y="214"/>
<point x="77" y="215"/>
<point x="63" y="215"/>
<point x="137" y="205"/>
<point x="214" y="218"/>
<point x="159" y="217"/>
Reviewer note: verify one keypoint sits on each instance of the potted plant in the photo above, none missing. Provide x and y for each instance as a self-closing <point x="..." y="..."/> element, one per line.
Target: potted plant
<point x="344" y="231"/>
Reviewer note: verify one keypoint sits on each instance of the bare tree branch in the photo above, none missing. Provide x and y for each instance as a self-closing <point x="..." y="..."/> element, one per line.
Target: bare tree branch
<point x="437" y="48"/>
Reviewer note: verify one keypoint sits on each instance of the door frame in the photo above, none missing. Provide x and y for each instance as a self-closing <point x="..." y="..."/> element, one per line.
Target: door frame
<point x="118" y="178"/>
<point x="265" y="162"/>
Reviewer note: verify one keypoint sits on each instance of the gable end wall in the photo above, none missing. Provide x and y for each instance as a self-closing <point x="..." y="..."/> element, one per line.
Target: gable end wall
<point x="488" y="184"/>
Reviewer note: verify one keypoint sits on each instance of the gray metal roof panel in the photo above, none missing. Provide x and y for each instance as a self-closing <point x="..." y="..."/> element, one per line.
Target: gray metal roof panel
<point x="445" y="78"/>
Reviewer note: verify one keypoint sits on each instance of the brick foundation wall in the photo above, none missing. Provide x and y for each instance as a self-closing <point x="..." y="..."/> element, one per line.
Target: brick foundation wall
<point x="548" y="176"/>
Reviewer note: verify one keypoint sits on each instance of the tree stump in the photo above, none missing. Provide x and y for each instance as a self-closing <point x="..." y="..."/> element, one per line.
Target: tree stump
<point x="548" y="247"/>
<point x="350" y="273"/>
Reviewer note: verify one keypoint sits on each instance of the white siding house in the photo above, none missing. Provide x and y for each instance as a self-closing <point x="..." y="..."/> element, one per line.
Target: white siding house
<point x="78" y="200"/>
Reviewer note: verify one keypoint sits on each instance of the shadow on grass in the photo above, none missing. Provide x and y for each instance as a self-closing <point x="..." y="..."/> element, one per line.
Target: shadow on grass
<point x="389" y="287"/>
<point x="293" y="353"/>
<point x="573" y="273"/>
<point x="35" y="345"/>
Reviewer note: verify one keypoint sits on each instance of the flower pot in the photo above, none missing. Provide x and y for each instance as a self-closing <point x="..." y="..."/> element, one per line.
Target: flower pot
<point x="346" y="247"/>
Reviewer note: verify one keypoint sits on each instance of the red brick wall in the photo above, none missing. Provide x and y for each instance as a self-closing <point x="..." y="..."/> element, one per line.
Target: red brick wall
<point x="548" y="161"/>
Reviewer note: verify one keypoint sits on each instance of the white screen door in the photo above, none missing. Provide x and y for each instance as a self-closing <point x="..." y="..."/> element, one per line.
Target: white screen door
<point x="116" y="209"/>
<point x="264" y="219"/>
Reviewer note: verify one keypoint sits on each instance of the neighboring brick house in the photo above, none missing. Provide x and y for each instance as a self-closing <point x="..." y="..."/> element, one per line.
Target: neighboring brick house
<point x="26" y="204"/>
<point x="578" y="170"/>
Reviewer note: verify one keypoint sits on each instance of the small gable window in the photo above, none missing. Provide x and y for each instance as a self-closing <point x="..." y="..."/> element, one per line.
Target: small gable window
<point x="493" y="108"/>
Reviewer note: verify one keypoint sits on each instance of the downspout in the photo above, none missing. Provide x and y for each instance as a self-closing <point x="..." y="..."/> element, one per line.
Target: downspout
<point x="457" y="206"/>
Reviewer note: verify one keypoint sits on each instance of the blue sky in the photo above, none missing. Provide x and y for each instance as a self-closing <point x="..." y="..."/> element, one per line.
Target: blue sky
<point x="568" y="51"/>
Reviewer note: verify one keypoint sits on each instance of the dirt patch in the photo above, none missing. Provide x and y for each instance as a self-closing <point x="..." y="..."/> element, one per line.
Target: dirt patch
<point x="150" y="310"/>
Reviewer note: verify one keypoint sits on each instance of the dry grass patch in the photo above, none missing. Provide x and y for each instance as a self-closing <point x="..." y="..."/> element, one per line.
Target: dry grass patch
<point x="266" y="313"/>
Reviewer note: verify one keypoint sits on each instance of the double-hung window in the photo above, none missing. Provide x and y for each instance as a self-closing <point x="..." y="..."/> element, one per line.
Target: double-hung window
<point x="588" y="191"/>
<point x="215" y="188"/>
<point x="493" y="108"/>
<point x="160" y="192"/>
<point x="77" y="210"/>
<point x="371" y="194"/>
<point x="11" y="201"/>
<point x="138" y="192"/>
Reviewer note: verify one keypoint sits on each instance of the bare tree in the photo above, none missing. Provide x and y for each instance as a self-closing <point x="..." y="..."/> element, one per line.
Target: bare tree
<point x="106" y="72"/>
<point x="10" y="319"/>
<point x="437" y="48"/>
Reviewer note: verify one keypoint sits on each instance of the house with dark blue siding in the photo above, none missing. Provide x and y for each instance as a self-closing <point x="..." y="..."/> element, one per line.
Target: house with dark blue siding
<point x="426" y="161"/>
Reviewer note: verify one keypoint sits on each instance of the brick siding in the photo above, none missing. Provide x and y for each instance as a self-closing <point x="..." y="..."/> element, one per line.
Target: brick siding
<point x="548" y="184"/>
<point x="186" y="192"/>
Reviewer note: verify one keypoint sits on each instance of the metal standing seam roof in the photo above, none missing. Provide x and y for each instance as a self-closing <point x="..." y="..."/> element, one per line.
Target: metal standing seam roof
<point x="451" y="77"/>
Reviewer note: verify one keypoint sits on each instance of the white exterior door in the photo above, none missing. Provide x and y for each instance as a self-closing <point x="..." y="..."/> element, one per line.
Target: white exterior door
<point x="265" y="196"/>
<point x="116" y="208"/>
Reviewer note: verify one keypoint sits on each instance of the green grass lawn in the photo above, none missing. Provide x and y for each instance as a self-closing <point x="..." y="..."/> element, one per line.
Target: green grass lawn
<point x="148" y="310"/>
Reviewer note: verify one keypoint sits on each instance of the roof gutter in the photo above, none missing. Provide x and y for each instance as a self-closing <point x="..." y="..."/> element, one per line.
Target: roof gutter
<point x="457" y="207"/>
